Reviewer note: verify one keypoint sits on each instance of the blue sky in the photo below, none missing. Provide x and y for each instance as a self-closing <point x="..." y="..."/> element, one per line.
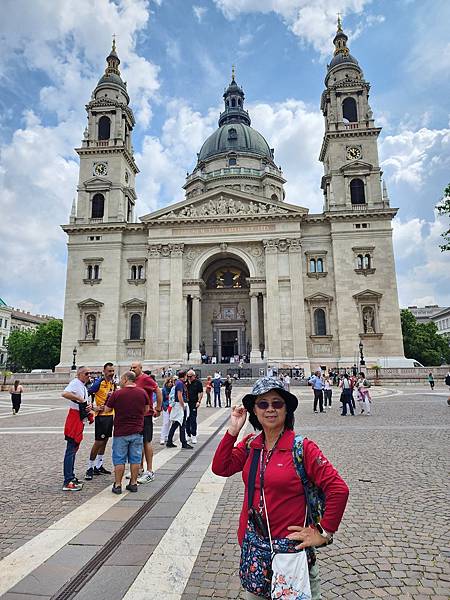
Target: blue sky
<point x="176" y="57"/>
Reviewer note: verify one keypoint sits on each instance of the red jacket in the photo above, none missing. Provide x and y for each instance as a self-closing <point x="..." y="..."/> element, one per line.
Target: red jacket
<point x="282" y="485"/>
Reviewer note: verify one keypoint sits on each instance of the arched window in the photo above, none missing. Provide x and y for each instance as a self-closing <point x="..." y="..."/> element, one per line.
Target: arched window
<point x="104" y="128"/>
<point x="232" y="162"/>
<point x="320" y="324"/>
<point x="96" y="272"/>
<point x="366" y="261"/>
<point x="312" y="265"/>
<point x="239" y="102"/>
<point x="133" y="272"/>
<point x="360" y="262"/>
<point x="349" y="111"/>
<point x="98" y="206"/>
<point x="357" y="194"/>
<point x="135" y="327"/>
<point x="320" y="265"/>
<point x="274" y="197"/>
<point x="89" y="272"/>
<point x="228" y="103"/>
<point x="233" y="102"/>
<point x="140" y="272"/>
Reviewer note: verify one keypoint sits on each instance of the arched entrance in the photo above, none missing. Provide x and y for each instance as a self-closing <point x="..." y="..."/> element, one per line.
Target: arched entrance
<point x="225" y="325"/>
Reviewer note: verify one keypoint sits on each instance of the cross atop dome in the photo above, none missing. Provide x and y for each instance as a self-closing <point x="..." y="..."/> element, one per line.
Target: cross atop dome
<point x="234" y="103"/>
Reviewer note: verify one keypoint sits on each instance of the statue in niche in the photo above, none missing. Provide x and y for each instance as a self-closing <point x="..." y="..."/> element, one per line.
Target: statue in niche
<point x="91" y="322"/>
<point x="368" y="320"/>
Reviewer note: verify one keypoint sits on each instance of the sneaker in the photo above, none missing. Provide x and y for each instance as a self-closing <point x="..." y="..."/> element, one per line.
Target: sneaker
<point x="362" y="410"/>
<point x="194" y="439"/>
<point x="103" y="471"/>
<point x="117" y="489"/>
<point x="72" y="487"/>
<point x="171" y="445"/>
<point x="131" y="487"/>
<point x="76" y="480"/>
<point x="187" y="447"/>
<point x="89" y="474"/>
<point x="188" y="439"/>
<point x="146" y="477"/>
<point x="96" y="471"/>
<point x="162" y="443"/>
<point x="315" y="411"/>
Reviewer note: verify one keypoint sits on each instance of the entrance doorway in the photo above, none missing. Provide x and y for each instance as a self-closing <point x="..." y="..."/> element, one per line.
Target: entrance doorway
<point x="229" y="344"/>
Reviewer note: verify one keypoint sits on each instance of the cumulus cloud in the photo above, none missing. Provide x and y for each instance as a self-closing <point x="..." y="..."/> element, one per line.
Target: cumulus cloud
<point x="312" y="21"/>
<point x="412" y="156"/>
<point x="199" y="12"/>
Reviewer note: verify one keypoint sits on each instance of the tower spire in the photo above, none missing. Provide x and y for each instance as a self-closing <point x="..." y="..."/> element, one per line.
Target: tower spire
<point x="234" y="103"/>
<point x="113" y="60"/>
<point x="340" y="39"/>
<point x="339" y="22"/>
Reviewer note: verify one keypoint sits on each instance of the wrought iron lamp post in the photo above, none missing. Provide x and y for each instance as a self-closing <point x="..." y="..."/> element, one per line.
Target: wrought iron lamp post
<point x="74" y="366"/>
<point x="361" y="348"/>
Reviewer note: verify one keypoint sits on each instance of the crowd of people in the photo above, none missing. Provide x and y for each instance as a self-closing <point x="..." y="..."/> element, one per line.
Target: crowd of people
<point x="350" y="386"/>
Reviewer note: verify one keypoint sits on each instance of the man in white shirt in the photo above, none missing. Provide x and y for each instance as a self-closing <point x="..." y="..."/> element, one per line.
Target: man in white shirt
<point x="79" y="410"/>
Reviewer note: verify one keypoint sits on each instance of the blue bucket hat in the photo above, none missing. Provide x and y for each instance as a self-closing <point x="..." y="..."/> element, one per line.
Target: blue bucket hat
<point x="265" y="384"/>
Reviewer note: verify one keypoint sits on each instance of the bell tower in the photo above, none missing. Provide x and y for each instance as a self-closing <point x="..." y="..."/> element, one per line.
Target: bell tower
<point x="352" y="174"/>
<point x="106" y="190"/>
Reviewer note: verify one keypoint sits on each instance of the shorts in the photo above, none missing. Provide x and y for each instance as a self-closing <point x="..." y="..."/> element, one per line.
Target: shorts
<point x="127" y="448"/>
<point x="103" y="427"/>
<point x="148" y="429"/>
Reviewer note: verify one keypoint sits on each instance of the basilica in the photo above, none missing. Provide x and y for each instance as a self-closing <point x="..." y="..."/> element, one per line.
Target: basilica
<point x="236" y="268"/>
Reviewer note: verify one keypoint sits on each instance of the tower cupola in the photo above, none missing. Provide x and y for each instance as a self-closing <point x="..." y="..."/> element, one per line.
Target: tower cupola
<point x="234" y="104"/>
<point x="342" y="55"/>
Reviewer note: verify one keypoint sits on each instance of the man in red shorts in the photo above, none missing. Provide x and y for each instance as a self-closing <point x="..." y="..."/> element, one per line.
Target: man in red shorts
<point x="148" y="384"/>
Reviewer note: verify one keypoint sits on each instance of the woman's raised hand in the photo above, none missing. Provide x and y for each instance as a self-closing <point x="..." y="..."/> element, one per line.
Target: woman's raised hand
<point x="237" y="420"/>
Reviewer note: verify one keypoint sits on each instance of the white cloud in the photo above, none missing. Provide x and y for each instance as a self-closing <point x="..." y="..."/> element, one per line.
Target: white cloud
<point x="423" y="273"/>
<point x="412" y="156"/>
<point x="199" y="12"/>
<point x="313" y="21"/>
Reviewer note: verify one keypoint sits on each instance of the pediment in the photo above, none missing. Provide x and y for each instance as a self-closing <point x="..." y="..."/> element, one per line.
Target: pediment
<point x="319" y="297"/>
<point x="97" y="183"/>
<point x="367" y="295"/>
<point x="90" y="303"/>
<point x="356" y="166"/>
<point x="224" y="204"/>
<point x="134" y="303"/>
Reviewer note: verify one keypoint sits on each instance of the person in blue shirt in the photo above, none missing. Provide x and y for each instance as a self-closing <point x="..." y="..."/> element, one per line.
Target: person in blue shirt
<point x="318" y="383"/>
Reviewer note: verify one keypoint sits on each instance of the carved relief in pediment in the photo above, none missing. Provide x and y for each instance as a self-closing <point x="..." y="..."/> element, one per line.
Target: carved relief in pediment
<point x="219" y="207"/>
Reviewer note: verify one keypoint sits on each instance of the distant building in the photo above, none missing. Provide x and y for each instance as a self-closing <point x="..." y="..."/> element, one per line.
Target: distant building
<point x="22" y="320"/>
<point x="442" y="320"/>
<point x="425" y="314"/>
<point x="5" y="328"/>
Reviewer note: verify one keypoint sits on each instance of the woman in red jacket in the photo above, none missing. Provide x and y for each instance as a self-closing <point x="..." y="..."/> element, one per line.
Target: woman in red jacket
<point x="271" y="411"/>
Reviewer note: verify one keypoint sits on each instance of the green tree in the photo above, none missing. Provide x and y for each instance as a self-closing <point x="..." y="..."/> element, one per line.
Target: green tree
<point x="38" y="349"/>
<point x="443" y="208"/>
<point x="422" y="342"/>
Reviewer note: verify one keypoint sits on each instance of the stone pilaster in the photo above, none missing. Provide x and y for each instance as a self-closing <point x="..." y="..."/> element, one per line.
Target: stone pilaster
<point x="273" y="301"/>
<point x="195" y="355"/>
<point x="297" y="301"/>
<point x="176" y="324"/>
<point x="255" y="354"/>
<point x="152" y="318"/>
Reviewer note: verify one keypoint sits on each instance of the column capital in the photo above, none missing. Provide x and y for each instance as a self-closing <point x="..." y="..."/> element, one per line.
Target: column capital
<point x="176" y="249"/>
<point x="253" y="294"/>
<point x="154" y="250"/>
<point x="271" y="246"/>
<point x="295" y="245"/>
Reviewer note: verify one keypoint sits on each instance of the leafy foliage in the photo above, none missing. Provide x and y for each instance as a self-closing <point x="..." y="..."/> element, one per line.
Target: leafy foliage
<point x="422" y="342"/>
<point x="38" y="349"/>
<point x="443" y="208"/>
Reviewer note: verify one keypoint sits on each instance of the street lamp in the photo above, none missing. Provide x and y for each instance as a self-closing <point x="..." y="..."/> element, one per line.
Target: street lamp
<point x="361" y="348"/>
<point x="74" y="366"/>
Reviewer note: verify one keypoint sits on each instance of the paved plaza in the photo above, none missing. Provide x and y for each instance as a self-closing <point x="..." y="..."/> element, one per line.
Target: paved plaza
<point x="393" y="541"/>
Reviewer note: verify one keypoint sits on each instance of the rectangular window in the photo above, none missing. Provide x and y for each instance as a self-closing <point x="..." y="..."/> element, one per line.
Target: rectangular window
<point x="6" y="322"/>
<point x="1" y="323"/>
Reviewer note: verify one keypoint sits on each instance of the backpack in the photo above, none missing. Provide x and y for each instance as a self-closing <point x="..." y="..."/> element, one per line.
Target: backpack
<point x="172" y="399"/>
<point x="447" y="380"/>
<point x="314" y="496"/>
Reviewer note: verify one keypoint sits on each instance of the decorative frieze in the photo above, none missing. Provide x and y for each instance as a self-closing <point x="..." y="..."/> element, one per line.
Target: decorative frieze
<point x="223" y="206"/>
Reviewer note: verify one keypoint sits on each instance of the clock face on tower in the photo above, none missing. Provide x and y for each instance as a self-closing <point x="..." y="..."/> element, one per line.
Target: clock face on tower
<point x="353" y="153"/>
<point x="101" y="169"/>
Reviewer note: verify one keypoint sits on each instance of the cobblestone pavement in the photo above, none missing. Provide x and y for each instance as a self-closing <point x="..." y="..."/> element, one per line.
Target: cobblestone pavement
<point x="394" y="539"/>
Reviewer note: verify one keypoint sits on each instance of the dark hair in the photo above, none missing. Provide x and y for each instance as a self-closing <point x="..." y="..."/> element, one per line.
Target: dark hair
<point x="152" y="376"/>
<point x="288" y="422"/>
<point x="147" y="372"/>
<point x="108" y="364"/>
<point x="181" y="374"/>
<point x="16" y="384"/>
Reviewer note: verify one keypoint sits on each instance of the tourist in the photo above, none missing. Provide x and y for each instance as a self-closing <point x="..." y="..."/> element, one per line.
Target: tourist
<point x="168" y="384"/>
<point x="228" y="385"/>
<point x="208" y="388"/>
<point x="287" y="382"/>
<point x="79" y="411"/>
<point x="317" y="382"/>
<point x="101" y="389"/>
<point x="130" y="404"/>
<point x="364" y="399"/>
<point x="217" y="383"/>
<point x="276" y="498"/>
<point x="346" y="395"/>
<point x="16" y="391"/>
<point x="149" y="385"/>
<point x="179" y="413"/>
<point x="431" y="380"/>
<point x="195" y="395"/>
<point x="327" y="391"/>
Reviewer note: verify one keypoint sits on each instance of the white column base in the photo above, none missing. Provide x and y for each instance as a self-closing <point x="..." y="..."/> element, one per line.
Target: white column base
<point x="255" y="356"/>
<point x="195" y="357"/>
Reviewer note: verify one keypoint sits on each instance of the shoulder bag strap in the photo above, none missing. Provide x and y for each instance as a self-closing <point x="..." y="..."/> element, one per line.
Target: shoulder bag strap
<point x="300" y="467"/>
<point x="252" y="477"/>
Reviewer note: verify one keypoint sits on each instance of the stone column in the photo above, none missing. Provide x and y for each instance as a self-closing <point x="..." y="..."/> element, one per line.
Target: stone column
<point x="152" y="317"/>
<point x="176" y="324"/>
<point x="297" y="301"/>
<point x="273" y="301"/>
<point x="255" y="354"/>
<point x="195" y="352"/>
<point x="185" y="328"/>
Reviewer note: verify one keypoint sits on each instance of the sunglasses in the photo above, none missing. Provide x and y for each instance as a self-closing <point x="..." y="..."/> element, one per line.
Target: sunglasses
<point x="264" y="405"/>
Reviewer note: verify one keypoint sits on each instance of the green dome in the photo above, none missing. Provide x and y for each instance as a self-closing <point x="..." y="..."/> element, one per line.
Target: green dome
<point x="237" y="137"/>
<point x="112" y="78"/>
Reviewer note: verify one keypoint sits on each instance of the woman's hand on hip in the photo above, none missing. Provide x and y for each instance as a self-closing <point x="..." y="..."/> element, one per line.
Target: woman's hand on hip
<point x="308" y="536"/>
<point x="237" y="420"/>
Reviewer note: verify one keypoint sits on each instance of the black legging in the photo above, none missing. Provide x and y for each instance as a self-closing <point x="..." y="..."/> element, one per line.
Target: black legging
<point x="16" y="399"/>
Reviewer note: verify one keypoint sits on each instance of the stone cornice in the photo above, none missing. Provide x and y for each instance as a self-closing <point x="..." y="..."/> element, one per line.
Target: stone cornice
<point x="346" y="133"/>
<point x="102" y="150"/>
<point x="101" y="227"/>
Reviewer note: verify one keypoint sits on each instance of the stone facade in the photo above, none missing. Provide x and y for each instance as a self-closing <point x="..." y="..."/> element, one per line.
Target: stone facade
<point x="233" y="269"/>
